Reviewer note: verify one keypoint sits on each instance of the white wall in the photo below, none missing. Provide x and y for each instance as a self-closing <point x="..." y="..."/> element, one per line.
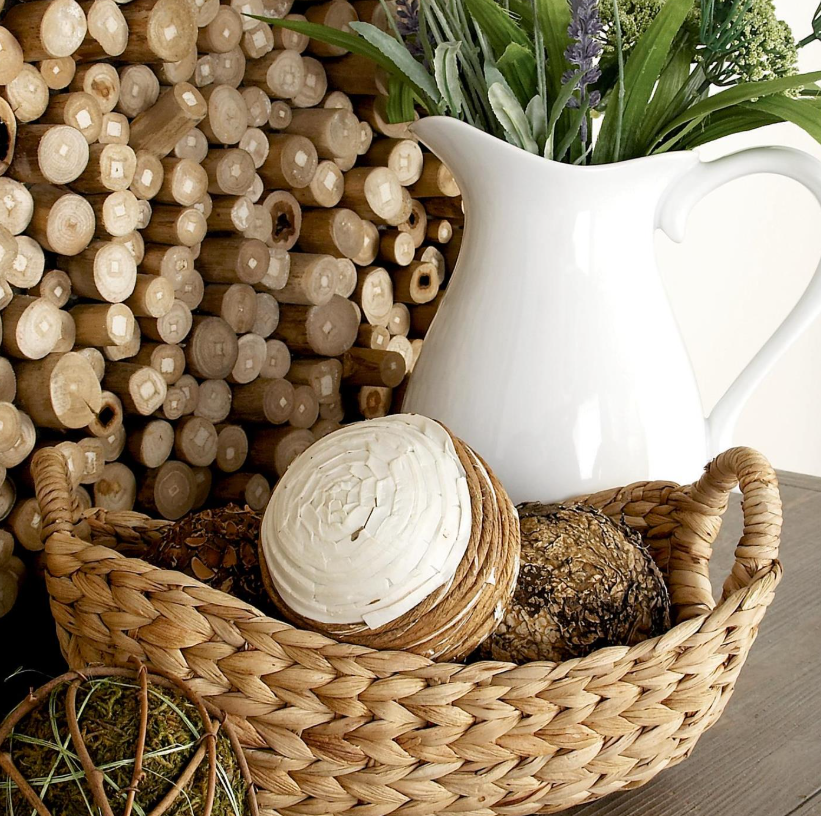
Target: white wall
<point x="751" y="249"/>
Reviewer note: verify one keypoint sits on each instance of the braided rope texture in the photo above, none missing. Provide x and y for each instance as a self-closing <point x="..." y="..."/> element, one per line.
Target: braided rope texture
<point x="331" y="728"/>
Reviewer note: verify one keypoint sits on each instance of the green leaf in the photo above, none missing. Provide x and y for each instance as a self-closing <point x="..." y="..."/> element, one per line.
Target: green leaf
<point x="518" y="65"/>
<point x="537" y="117"/>
<point x="446" y="73"/>
<point x="641" y="73"/>
<point x="798" y="111"/>
<point x="725" y="123"/>
<point x="554" y="19"/>
<point x="744" y="92"/>
<point x="673" y="78"/>
<point x="560" y="104"/>
<point x="400" y="57"/>
<point x="399" y="107"/>
<point x="575" y="118"/>
<point x="498" y="26"/>
<point x="513" y="119"/>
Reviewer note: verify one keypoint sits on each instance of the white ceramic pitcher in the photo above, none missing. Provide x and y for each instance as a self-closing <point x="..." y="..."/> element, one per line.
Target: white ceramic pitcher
<point x="555" y="353"/>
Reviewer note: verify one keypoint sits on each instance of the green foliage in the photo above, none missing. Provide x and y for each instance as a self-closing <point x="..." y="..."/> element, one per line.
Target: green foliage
<point x="512" y="68"/>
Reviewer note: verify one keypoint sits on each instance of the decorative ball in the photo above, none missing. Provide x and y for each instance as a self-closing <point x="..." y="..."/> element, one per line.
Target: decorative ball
<point x="217" y="547"/>
<point x="392" y="533"/>
<point x="188" y="762"/>
<point x="585" y="582"/>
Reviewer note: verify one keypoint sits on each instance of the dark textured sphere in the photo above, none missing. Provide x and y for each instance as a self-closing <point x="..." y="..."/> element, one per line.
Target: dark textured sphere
<point x="585" y="582"/>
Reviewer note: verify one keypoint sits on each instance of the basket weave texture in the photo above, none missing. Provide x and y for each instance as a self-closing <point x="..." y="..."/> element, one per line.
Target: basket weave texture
<point x="332" y="728"/>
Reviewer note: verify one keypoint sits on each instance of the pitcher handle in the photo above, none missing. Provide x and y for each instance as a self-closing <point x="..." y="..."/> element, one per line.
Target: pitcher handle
<point x="674" y="210"/>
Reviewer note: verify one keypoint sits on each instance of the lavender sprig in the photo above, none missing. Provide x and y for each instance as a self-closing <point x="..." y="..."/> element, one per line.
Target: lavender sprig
<point x="586" y="31"/>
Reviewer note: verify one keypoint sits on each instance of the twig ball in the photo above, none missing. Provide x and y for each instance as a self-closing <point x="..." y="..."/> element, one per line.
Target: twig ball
<point x="585" y="582"/>
<point x="391" y="533"/>
<point x="124" y="741"/>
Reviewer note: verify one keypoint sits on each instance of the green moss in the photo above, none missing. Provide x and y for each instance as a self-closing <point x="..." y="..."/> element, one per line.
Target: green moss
<point x="108" y="714"/>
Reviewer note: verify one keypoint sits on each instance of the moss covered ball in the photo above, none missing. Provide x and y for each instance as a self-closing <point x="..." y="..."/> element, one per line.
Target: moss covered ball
<point x="108" y="715"/>
<point x="585" y="582"/>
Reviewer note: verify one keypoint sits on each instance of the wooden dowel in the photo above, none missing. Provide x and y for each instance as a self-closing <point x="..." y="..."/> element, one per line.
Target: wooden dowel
<point x="337" y="14"/>
<point x="117" y="213"/>
<point x="115" y="130"/>
<point x="26" y="523"/>
<point x="433" y="256"/>
<point x="257" y="102"/>
<point x="396" y="247"/>
<point x="401" y="345"/>
<point x="373" y="109"/>
<point x="416" y="224"/>
<point x="255" y="143"/>
<point x="184" y="182"/>
<point x="61" y="222"/>
<point x="263" y="400"/>
<point x="322" y="375"/>
<point x="280" y="73"/>
<point x="229" y="68"/>
<point x="109" y="418"/>
<point x="27" y="268"/>
<point x="182" y="70"/>
<point x="233" y="260"/>
<point x="55" y="286"/>
<point x="114" y="444"/>
<point x="192" y="145"/>
<point x="100" y="80"/>
<point x="116" y="489"/>
<point x="375" y="337"/>
<point x="139" y="90"/>
<point x="8" y="497"/>
<point x="374" y="401"/>
<point x="172" y="327"/>
<point x="353" y="74"/>
<point x="205" y="11"/>
<point x="323" y="427"/>
<point x="68" y="334"/>
<point x="151" y="443"/>
<point x="222" y="34"/>
<point x="110" y="167"/>
<point x="227" y="117"/>
<point x="203" y="71"/>
<point x="271" y="451"/>
<point x="159" y="129"/>
<point x="31" y="327"/>
<point x="18" y="205"/>
<point x="306" y="407"/>
<point x="346" y="277"/>
<point x="9" y="250"/>
<point x="373" y="367"/>
<point x="277" y="360"/>
<point x="327" y="330"/>
<point x="337" y="232"/>
<point x="439" y="230"/>
<point x="250" y="489"/>
<point x="11" y="56"/>
<point x="375" y="193"/>
<point x="422" y="316"/>
<point x="152" y="297"/>
<point x="251" y="354"/>
<point x="191" y="289"/>
<point x="168" y="490"/>
<point x="51" y="154"/>
<point x="213" y="400"/>
<point x="77" y="109"/>
<point x="174" y="225"/>
<point x="27" y="94"/>
<point x="370" y="245"/>
<point x="212" y="348"/>
<point x="403" y="156"/>
<point x="286" y="219"/>
<point x="133" y="241"/>
<point x="171" y="262"/>
<point x="435" y="180"/>
<point x="235" y="303"/>
<point x="58" y="72"/>
<point x="417" y="283"/>
<point x="450" y="208"/>
<point x="191" y="392"/>
<point x="325" y="188"/>
<point x="374" y="294"/>
<point x="291" y="161"/>
<point x="280" y="116"/>
<point x="334" y="132"/>
<point x="10" y="426"/>
<point x="93" y="459"/>
<point x="257" y="41"/>
<point x="125" y="349"/>
<point x="311" y="281"/>
<point x="158" y="28"/>
<point x="202" y="486"/>
<point x="267" y="316"/>
<point x="148" y="175"/>
<point x="335" y="410"/>
<point x="47" y="28"/>
<point x="103" y="324"/>
<point x="23" y="446"/>
<point x="230" y="214"/>
<point x="195" y="441"/>
<point x="232" y="448"/>
<point x="141" y="388"/>
<point x="167" y="359"/>
<point x="399" y="320"/>
<point x="229" y="172"/>
<point x="107" y="31"/>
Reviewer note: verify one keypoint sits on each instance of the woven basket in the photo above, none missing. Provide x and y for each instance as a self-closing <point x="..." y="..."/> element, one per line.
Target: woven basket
<point x="330" y="728"/>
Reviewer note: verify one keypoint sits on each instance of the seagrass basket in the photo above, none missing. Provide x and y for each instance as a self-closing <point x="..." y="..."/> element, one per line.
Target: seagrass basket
<point x="332" y="728"/>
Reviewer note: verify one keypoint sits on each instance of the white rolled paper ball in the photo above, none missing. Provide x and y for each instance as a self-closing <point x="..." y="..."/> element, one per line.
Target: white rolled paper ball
<point x="368" y="522"/>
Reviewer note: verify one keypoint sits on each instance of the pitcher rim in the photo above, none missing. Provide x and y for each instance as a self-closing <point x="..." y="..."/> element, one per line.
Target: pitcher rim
<point x="672" y="156"/>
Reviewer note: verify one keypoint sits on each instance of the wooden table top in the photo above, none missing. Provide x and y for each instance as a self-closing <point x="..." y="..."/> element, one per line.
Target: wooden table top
<point x="763" y="758"/>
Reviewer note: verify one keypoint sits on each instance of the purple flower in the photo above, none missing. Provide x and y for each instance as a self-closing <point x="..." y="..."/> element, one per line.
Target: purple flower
<point x="586" y="31"/>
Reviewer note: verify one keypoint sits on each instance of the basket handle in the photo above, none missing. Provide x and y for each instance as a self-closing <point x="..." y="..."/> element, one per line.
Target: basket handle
<point x="52" y="484"/>
<point x="761" y="504"/>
